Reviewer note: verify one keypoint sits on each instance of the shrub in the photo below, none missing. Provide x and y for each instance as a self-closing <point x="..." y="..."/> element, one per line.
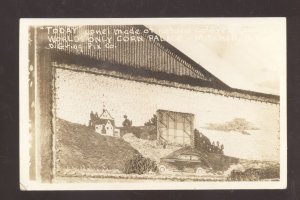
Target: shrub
<point x="254" y="174"/>
<point x="140" y="165"/>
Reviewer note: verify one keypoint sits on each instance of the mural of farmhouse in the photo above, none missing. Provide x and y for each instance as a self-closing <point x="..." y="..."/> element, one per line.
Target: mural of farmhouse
<point x="104" y="124"/>
<point x="161" y="113"/>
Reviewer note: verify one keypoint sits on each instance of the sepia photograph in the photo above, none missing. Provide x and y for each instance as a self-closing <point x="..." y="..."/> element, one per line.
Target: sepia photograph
<point x="153" y="104"/>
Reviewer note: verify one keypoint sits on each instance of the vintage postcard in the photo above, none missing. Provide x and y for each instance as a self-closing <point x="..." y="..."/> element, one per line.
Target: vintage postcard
<point x="153" y="104"/>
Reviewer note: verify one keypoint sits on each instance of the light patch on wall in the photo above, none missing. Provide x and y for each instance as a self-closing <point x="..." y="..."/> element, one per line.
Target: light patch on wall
<point x="270" y="85"/>
<point x="239" y="54"/>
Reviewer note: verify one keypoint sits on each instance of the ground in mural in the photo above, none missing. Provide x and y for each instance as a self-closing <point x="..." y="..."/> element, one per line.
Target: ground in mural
<point x="101" y="150"/>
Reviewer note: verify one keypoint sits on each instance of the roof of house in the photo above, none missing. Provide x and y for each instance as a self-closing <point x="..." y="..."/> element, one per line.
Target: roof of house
<point x="105" y="112"/>
<point x="104" y="121"/>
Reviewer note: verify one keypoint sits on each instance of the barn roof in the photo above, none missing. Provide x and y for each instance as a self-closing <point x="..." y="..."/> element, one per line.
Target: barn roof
<point x="145" y="60"/>
<point x="157" y="59"/>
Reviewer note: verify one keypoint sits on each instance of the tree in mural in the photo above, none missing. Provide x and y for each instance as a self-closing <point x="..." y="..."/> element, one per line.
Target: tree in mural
<point x="152" y="121"/>
<point x="204" y="144"/>
<point x="127" y="123"/>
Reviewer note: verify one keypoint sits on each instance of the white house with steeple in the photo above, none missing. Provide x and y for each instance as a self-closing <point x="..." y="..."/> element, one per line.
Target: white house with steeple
<point x="105" y="125"/>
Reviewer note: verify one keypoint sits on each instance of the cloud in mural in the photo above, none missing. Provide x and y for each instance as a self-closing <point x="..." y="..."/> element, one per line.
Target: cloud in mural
<point x="237" y="124"/>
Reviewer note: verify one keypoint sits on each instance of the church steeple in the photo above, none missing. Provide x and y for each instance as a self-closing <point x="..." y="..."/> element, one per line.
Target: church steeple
<point x="105" y="114"/>
<point x="103" y="103"/>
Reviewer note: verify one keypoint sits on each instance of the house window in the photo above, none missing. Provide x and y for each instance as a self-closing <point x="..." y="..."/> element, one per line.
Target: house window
<point x="195" y="158"/>
<point x="184" y="157"/>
